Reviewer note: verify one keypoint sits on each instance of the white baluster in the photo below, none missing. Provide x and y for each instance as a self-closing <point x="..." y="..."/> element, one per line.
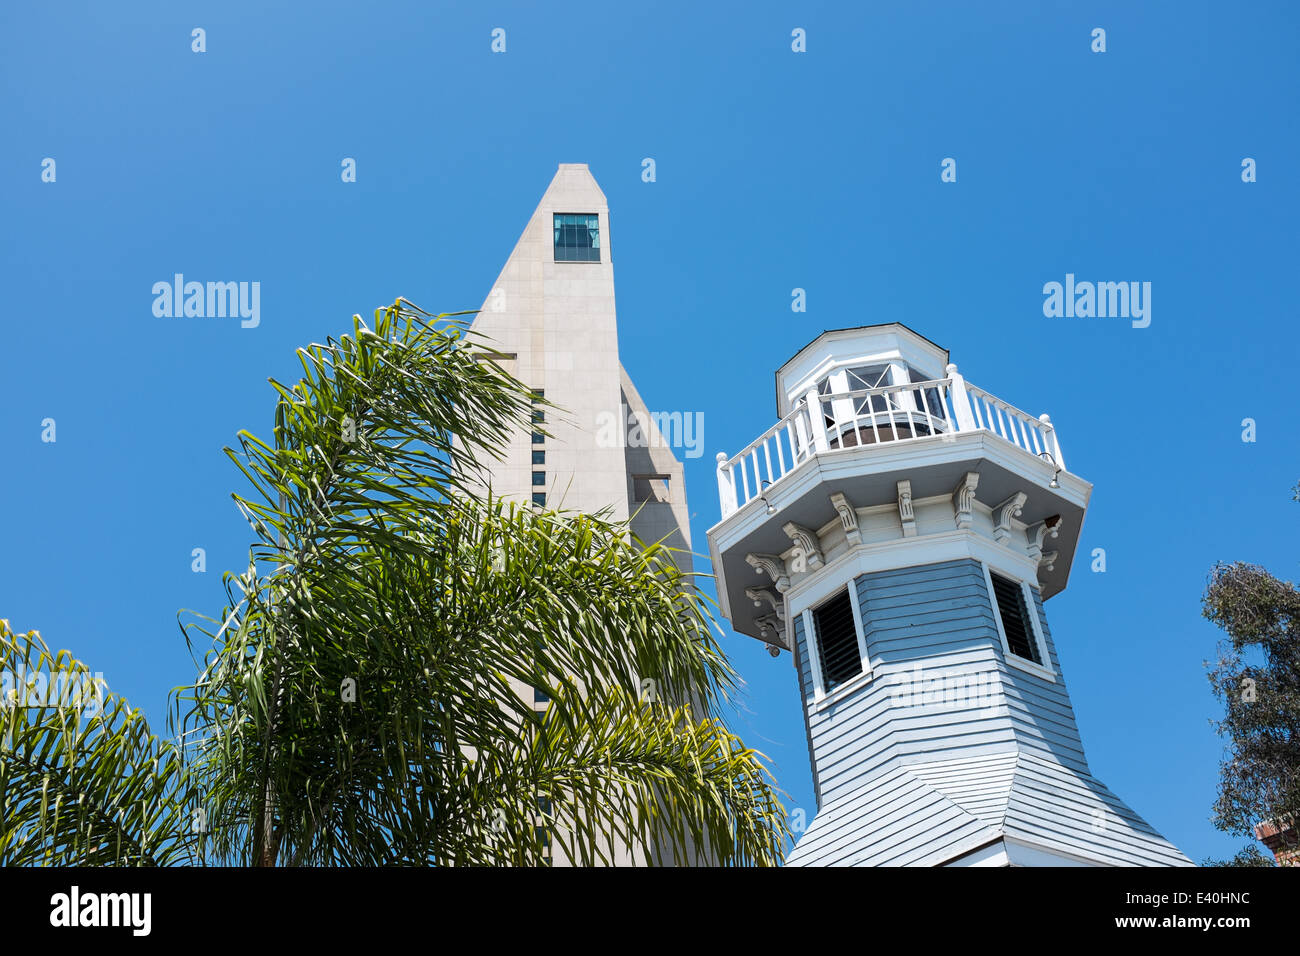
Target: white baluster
<point x="726" y="486"/>
<point x="1054" y="443"/>
<point x="960" y="401"/>
<point x="816" y="421"/>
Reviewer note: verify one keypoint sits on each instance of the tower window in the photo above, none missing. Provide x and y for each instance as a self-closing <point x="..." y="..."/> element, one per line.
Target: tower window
<point x="539" y="478"/>
<point x="539" y="457"/>
<point x="577" y="237"/>
<point x="651" y="488"/>
<point x="538" y="438"/>
<point x="837" y="641"/>
<point x="1016" y="624"/>
<point x="539" y="499"/>
<point x="870" y="376"/>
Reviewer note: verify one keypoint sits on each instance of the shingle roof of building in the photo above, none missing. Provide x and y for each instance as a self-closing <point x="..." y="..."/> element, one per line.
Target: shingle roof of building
<point x="929" y="814"/>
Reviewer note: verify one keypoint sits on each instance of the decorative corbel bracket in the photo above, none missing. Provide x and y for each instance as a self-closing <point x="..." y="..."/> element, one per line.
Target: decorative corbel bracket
<point x="963" y="497"/>
<point x="770" y="624"/>
<point x="1048" y="560"/>
<point x="773" y="566"/>
<point x="905" y="512"/>
<point x="1038" y="532"/>
<point x="848" y="517"/>
<point x="808" y="554"/>
<point x="1003" y="514"/>
<point x="759" y="595"/>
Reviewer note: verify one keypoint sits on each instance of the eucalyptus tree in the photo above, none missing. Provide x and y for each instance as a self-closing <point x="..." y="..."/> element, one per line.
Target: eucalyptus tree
<point x="367" y="695"/>
<point x="1257" y="677"/>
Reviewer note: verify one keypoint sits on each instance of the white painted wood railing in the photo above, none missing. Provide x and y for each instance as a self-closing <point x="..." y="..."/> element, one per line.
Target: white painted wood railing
<point x="825" y="424"/>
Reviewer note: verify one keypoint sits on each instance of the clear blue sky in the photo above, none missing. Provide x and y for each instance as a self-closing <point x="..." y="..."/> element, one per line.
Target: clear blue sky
<point x="775" y="170"/>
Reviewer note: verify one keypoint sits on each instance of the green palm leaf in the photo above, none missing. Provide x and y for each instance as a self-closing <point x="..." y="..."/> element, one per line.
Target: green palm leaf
<point x="82" y="781"/>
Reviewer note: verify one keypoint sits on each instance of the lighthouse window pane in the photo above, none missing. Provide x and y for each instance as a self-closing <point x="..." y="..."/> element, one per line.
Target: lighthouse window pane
<point x="837" y="641"/>
<point x="1016" y="625"/>
<point x="869" y="376"/>
<point x="927" y="399"/>
<point x="824" y="388"/>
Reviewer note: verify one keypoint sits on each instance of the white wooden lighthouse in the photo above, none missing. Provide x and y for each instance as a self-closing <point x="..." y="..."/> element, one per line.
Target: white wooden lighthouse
<point x="899" y="530"/>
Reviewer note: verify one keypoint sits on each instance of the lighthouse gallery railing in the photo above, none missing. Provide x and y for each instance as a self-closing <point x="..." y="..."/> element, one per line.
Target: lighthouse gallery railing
<point x="827" y="423"/>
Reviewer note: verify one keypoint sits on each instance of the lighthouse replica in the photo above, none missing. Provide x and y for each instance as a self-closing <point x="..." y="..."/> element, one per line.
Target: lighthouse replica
<point x="898" y="531"/>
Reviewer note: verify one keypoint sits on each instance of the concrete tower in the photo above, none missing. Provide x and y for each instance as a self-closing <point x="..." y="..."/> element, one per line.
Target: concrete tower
<point x="551" y="317"/>
<point x="899" y="530"/>
<point x="550" y="321"/>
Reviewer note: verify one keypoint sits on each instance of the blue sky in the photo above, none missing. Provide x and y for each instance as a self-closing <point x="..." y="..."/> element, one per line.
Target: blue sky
<point x="775" y="170"/>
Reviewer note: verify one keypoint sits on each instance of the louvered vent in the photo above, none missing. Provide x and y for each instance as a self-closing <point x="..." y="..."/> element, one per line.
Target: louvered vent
<point x="1015" y="618"/>
<point x="837" y="641"/>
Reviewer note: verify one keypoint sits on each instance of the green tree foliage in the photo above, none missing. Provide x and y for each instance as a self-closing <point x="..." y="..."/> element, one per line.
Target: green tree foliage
<point x="367" y="695"/>
<point x="1249" y="855"/>
<point x="82" y="781"/>
<point x="1257" y="677"/>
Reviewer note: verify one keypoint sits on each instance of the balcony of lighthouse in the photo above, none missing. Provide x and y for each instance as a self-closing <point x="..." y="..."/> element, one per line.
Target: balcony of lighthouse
<point x="884" y="456"/>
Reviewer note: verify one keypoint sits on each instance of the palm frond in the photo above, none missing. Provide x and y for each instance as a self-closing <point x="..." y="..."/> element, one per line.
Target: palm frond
<point x="380" y="653"/>
<point x="82" y="780"/>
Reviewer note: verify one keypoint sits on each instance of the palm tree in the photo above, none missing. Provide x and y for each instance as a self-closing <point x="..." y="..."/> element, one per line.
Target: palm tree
<point x="367" y="695"/>
<point x="82" y="781"/>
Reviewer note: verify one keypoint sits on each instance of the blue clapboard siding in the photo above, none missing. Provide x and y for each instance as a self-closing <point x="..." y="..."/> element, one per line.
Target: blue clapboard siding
<point x="938" y="616"/>
<point x="917" y="780"/>
<point x="941" y="617"/>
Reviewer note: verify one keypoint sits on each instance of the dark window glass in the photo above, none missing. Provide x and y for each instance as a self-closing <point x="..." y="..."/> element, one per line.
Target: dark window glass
<point x="539" y="416"/>
<point x="837" y="641"/>
<point x="651" y="488"/>
<point x="539" y="478"/>
<point x="538" y="394"/>
<point x="824" y="388"/>
<point x="577" y="237"/>
<point x="540" y="696"/>
<point x="1015" y="618"/>
<point x="927" y="399"/>
<point x="539" y="457"/>
<point x="869" y="376"/>
<point x="539" y="498"/>
<point x="538" y="438"/>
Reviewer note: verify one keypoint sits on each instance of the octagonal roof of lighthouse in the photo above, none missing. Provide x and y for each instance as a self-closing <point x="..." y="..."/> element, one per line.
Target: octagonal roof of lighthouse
<point x="863" y="345"/>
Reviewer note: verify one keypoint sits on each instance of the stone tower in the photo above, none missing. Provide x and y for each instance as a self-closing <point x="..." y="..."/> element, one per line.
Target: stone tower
<point x="550" y="321"/>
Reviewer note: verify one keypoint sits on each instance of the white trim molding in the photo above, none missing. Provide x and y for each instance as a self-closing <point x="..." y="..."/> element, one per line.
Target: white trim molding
<point x="896" y="553"/>
<point x="814" y="656"/>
